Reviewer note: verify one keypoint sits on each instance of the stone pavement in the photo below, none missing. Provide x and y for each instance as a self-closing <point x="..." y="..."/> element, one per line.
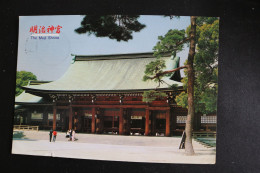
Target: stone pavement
<point x="112" y="147"/>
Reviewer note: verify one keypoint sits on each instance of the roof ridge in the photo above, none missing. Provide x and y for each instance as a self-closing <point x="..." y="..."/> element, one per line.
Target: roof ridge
<point x="116" y="56"/>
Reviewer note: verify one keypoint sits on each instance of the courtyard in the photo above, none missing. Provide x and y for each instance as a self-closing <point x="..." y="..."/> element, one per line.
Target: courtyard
<point x="111" y="147"/>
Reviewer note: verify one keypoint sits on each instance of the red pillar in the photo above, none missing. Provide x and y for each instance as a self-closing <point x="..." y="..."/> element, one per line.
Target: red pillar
<point x="93" y="123"/>
<point x="54" y="117"/>
<point x="121" y="122"/>
<point x="147" y="122"/>
<point x="168" y="127"/>
<point x="70" y="117"/>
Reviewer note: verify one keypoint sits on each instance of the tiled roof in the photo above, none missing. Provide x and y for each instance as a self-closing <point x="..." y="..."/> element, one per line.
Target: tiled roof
<point x="122" y="72"/>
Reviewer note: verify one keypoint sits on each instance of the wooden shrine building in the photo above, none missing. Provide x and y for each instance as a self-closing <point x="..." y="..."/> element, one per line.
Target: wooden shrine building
<point x="103" y="94"/>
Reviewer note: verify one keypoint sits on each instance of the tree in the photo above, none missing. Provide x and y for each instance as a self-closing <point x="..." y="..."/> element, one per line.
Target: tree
<point x="174" y="42"/>
<point x="206" y="67"/>
<point x="119" y="27"/>
<point x="203" y="33"/>
<point x="22" y="79"/>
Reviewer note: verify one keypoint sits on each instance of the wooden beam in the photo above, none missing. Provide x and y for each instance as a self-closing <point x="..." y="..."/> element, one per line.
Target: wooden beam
<point x="124" y="106"/>
<point x="121" y="122"/>
<point x="111" y="106"/>
<point x="62" y="107"/>
<point x="159" y="108"/>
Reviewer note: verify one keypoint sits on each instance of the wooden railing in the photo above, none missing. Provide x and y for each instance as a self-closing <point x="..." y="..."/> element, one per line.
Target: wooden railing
<point x="204" y="134"/>
<point x="26" y="127"/>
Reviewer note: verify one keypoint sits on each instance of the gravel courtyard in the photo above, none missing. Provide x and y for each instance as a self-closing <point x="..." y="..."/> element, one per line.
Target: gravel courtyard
<point x="111" y="147"/>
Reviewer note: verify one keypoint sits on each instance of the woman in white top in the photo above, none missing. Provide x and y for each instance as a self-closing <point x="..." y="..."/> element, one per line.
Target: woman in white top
<point x="73" y="135"/>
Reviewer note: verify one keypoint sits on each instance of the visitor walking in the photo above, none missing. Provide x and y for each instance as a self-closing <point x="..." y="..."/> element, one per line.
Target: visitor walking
<point x="70" y="133"/>
<point x="54" y="135"/>
<point x="73" y="135"/>
<point x="51" y="134"/>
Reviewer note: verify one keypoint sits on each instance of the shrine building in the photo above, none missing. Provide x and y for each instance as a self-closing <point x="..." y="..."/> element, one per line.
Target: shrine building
<point x="102" y="94"/>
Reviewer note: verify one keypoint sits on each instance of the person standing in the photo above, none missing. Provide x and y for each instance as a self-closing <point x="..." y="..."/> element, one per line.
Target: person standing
<point x="50" y="134"/>
<point x="54" y="135"/>
<point x="70" y="133"/>
<point x="73" y="135"/>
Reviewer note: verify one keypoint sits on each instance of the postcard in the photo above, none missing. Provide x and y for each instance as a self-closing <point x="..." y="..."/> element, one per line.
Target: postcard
<point x="131" y="88"/>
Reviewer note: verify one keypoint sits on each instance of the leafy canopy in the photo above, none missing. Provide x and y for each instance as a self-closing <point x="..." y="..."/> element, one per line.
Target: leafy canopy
<point x="170" y="43"/>
<point x="205" y="63"/>
<point x="22" y="79"/>
<point x="173" y="41"/>
<point x="152" y="95"/>
<point x="205" y="66"/>
<point x="119" y="27"/>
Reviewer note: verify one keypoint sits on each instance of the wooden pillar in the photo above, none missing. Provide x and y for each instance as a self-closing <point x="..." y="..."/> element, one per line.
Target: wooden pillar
<point x="70" y="116"/>
<point x="93" y="123"/>
<point x="153" y="122"/>
<point x="168" y="118"/>
<point x="54" y="117"/>
<point x="101" y="114"/>
<point x="99" y="121"/>
<point x="147" y="112"/>
<point x="121" y="122"/>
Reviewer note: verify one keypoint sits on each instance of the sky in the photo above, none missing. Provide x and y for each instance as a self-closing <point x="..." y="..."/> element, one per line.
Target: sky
<point x="49" y="59"/>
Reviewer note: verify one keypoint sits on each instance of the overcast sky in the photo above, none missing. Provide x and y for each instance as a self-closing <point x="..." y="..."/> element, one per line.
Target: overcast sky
<point x="49" y="59"/>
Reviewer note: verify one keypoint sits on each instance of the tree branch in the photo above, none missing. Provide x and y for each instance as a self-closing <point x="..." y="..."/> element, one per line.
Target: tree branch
<point x="183" y="41"/>
<point x="168" y="71"/>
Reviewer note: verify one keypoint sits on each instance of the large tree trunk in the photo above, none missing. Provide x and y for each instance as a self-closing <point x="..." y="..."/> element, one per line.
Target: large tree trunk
<point x="191" y="110"/>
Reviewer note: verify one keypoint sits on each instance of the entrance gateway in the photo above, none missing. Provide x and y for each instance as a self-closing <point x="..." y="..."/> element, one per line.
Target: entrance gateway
<point x="103" y="94"/>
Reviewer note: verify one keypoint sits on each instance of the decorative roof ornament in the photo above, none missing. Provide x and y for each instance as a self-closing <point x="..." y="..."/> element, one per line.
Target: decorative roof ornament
<point x="176" y="76"/>
<point x="73" y="59"/>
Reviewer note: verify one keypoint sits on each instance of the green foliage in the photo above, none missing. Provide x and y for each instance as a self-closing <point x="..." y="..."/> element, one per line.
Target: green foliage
<point x="205" y="63"/>
<point x="174" y="87"/>
<point x="151" y="95"/>
<point x="209" y="100"/>
<point x="173" y="41"/>
<point x="22" y="79"/>
<point x="119" y="27"/>
<point x="205" y="66"/>
<point x="153" y="68"/>
<point x="169" y="43"/>
<point x="205" y="20"/>
<point x="182" y="99"/>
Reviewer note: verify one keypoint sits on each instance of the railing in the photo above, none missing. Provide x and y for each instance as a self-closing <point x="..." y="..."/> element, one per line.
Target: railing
<point x="204" y="134"/>
<point x="26" y="127"/>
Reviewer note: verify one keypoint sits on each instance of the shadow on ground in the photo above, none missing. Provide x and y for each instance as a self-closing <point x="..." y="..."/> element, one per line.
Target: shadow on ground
<point x="19" y="135"/>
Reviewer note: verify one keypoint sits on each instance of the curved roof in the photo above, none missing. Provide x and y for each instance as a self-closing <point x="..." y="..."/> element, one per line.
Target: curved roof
<point x="121" y="72"/>
<point x="25" y="97"/>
